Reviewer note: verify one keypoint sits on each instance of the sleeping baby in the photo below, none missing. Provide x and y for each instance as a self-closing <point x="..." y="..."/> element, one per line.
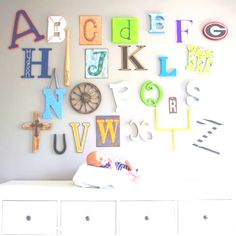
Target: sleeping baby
<point x="98" y="159"/>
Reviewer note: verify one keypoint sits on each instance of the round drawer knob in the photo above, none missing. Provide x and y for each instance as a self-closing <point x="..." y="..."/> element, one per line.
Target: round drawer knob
<point x="205" y="217"/>
<point x="28" y="218"/>
<point x="87" y="218"/>
<point x="147" y="218"/>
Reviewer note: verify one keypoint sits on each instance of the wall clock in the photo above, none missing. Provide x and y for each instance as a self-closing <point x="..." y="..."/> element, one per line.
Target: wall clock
<point x="85" y="98"/>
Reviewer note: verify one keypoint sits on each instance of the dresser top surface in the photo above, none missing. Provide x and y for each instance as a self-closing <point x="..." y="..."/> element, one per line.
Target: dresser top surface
<point x="66" y="190"/>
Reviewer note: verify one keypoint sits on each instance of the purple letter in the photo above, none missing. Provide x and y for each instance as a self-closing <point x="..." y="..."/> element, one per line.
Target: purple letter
<point x="180" y="30"/>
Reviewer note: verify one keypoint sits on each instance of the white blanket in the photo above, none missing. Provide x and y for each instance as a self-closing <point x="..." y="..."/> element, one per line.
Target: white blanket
<point x="97" y="177"/>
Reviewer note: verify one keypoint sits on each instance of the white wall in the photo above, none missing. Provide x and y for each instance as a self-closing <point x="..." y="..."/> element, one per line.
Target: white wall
<point x="20" y="97"/>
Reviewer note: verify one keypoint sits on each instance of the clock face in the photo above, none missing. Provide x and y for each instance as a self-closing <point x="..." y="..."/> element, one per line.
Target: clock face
<point x="85" y="98"/>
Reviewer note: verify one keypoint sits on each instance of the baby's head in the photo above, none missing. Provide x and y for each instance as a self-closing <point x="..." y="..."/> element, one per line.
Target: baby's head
<point x="96" y="159"/>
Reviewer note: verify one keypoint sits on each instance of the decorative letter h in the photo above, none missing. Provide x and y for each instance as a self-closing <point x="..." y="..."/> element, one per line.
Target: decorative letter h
<point x="43" y="63"/>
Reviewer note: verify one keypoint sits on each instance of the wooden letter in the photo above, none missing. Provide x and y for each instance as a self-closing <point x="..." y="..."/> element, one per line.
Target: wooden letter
<point x="56" y="29"/>
<point x="108" y="131"/>
<point x="79" y="143"/>
<point x="90" y="30"/>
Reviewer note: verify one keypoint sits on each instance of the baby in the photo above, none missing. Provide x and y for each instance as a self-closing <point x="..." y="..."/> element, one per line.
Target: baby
<point x="98" y="159"/>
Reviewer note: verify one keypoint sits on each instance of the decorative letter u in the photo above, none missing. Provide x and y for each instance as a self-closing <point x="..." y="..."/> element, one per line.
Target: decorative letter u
<point x="55" y="144"/>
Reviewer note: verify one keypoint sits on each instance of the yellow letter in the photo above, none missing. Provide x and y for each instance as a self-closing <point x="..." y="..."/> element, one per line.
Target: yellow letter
<point x="78" y="143"/>
<point x="109" y="127"/>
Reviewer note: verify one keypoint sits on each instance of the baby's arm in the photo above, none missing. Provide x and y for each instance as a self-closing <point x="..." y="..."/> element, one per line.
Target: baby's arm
<point x="130" y="168"/>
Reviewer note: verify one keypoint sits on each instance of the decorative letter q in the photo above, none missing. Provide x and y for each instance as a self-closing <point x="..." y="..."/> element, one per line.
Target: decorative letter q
<point x="148" y="86"/>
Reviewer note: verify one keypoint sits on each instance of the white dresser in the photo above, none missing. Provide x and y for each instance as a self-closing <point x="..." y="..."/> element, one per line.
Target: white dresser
<point x="60" y="208"/>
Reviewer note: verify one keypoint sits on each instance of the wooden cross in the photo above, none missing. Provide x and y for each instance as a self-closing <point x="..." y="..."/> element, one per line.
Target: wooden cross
<point x="36" y="126"/>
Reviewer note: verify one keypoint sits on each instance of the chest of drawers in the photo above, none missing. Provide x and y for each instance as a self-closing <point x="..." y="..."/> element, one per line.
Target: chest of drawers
<point x="59" y="208"/>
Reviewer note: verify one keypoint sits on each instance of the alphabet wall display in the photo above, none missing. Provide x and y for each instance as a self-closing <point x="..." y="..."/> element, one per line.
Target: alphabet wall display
<point x="123" y="30"/>
<point x="85" y="98"/>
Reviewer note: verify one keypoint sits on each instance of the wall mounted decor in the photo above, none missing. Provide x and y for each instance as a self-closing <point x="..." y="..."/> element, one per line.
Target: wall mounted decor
<point x="173" y="130"/>
<point x="67" y="67"/>
<point x="36" y="126"/>
<point x="55" y="144"/>
<point x="121" y="93"/>
<point x="31" y="30"/>
<point x="107" y="131"/>
<point x="163" y="69"/>
<point x="43" y="63"/>
<point x="125" y="57"/>
<point x="142" y="131"/>
<point x="79" y="142"/>
<point x="199" y="59"/>
<point x="52" y="103"/>
<point x="85" y="98"/>
<point x="214" y="126"/>
<point x="157" y="23"/>
<point x="56" y="29"/>
<point x="96" y="63"/>
<point x="125" y="30"/>
<point x="172" y="105"/>
<point x="182" y="27"/>
<point x="193" y="89"/>
<point x="215" y="30"/>
<point x="154" y="92"/>
<point x="90" y="30"/>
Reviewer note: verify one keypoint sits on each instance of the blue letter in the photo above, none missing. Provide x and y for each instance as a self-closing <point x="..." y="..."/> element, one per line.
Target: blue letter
<point x="163" y="71"/>
<point x="157" y="25"/>
<point x="55" y="104"/>
<point x="43" y="63"/>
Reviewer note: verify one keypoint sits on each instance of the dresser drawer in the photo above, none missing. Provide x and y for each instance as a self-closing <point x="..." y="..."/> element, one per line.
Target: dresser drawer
<point x="29" y="217"/>
<point x="147" y="217"/>
<point x="88" y="217"/>
<point x="206" y="217"/>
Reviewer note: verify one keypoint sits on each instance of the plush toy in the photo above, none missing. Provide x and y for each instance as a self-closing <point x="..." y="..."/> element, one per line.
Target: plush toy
<point x="98" y="159"/>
